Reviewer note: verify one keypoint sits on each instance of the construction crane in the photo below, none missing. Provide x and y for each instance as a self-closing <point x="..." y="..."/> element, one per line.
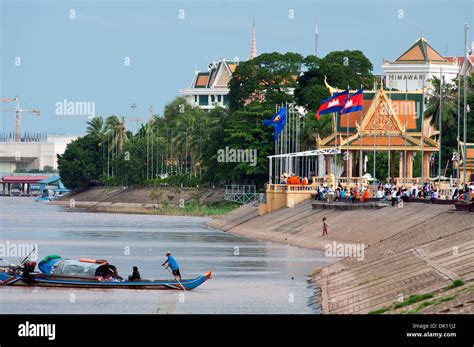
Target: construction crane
<point x="18" y="112"/>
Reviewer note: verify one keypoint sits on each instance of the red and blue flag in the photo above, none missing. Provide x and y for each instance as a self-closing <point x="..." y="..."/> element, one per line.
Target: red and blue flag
<point x="332" y="104"/>
<point x="354" y="103"/>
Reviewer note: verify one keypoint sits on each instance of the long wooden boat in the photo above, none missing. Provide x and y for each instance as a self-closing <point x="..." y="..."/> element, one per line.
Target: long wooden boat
<point x="85" y="273"/>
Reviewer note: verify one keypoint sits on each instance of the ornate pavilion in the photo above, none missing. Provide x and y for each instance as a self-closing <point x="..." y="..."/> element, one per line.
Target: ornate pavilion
<point x="389" y="121"/>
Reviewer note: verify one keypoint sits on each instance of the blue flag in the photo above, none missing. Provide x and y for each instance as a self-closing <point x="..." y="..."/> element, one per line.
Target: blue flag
<point x="278" y="121"/>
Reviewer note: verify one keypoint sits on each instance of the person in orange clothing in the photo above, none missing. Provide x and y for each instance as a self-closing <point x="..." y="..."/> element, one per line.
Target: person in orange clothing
<point x="297" y="180"/>
<point x="366" y="195"/>
<point x="355" y="192"/>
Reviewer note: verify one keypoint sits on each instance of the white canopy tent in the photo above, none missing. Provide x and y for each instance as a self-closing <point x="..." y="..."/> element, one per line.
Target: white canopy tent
<point x="299" y="163"/>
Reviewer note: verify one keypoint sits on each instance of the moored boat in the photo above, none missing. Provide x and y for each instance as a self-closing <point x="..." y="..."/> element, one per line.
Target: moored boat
<point x="85" y="273"/>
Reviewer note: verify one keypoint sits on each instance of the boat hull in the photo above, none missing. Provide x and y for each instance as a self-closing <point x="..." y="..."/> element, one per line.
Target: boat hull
<point x="41" y="280"/>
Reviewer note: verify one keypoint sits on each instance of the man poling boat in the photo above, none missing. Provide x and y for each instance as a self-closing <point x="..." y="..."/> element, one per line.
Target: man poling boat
<point x="172" y="264"/>
<point x="55" y="271"/>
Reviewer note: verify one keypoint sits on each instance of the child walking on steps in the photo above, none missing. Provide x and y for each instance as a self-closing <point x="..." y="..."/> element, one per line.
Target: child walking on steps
<point x="325" y="227"/>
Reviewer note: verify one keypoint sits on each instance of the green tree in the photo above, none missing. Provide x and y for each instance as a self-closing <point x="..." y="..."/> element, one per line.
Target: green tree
<point x="96" y="128"/>
<point x="267" y="78"/>
<point x="342" y="69"/>
<point x="81" y="163"/>
<point x="448" y="111"/>
<point x="214" y="139"/>
<point x="246" y="131"/>
<point x="117" y="133"/>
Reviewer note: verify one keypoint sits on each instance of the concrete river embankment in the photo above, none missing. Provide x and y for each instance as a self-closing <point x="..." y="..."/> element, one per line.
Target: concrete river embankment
<point x="411" y="255"/>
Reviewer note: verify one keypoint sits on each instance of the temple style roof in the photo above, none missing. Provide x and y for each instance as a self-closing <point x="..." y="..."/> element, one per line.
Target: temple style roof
<point x="394" y="119"/>
<point x="421" y="52"/>
<point x="218" y="75"/>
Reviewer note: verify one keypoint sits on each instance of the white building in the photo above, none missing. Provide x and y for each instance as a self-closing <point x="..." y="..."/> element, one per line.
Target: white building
<point x="210" y="89"/>
<point x="418" y="62"/>
<point x="27" y="156"/>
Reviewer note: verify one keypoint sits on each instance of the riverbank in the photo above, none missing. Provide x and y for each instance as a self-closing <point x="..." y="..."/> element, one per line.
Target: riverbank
<point x="419" y="249"/>
<point x="159" y="201"/>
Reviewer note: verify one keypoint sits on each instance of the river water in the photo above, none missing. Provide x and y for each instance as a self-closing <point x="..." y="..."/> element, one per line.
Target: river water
<point x="248" y="276"/>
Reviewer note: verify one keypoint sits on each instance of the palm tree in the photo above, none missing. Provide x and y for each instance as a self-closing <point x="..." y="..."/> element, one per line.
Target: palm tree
<point x="187" y="138"/>
<point x="95" y="128"/>
<point x="449" y="107"/>
<point x="117" y="133"/>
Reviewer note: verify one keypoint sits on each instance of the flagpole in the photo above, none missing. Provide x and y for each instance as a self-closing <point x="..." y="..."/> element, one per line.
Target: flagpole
<point x="388" y="133"/>
<point x="440" y="115"/>
<point x="459" y="123"/>
<point x="375" y="126"/>
<point x="281" y="139"/>
<point x="466" y="28"/>
<point x="360" y="130"/>
<point x="422" y="130"/>
<point x="405" y="135"/>
<point x="347" y="138"/>
<point x="276" y="152"/>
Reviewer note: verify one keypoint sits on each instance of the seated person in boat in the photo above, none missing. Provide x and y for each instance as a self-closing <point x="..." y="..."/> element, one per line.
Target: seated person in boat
<point x="27" y="268"/>
<point x="135" y="276"/>
<point x="172" y="264"/>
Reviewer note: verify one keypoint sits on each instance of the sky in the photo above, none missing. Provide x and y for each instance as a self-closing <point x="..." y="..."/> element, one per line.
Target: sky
<point x="112" y="54"/>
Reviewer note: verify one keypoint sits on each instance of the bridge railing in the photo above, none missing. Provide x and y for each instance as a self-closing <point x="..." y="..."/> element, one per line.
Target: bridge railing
<point x="243" y="194"/>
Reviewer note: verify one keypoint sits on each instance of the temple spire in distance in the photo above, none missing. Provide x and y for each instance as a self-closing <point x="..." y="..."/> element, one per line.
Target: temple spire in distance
<point x="253" y="51"/>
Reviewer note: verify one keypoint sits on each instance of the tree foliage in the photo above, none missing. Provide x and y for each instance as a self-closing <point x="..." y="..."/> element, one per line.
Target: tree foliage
<point x="81" y="163"/>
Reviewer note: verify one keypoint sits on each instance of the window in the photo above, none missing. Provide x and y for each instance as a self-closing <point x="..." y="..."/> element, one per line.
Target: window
<point x="195" y="99"/>
<point x="219" y="98"/>
<point x="203" y="100"/>
<point x="226" y="100"/>
<point x="213" y="98"/>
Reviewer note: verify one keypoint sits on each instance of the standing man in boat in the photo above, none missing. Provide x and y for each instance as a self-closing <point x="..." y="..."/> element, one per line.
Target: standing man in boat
<point x="172" y="264"/>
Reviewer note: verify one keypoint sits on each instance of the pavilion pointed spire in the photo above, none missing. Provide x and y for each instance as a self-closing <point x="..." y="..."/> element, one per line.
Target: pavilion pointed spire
<point x="253" y="51"/>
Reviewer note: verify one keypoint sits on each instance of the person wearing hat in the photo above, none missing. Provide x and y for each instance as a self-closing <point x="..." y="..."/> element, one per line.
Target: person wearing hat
<point x="172" y="264"/>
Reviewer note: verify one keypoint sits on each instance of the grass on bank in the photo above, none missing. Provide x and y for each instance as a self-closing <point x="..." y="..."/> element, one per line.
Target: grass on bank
<point x="195" y="209"/>
<point x="455" y="284"/>
<point x="425" y="304"/>
<point x="379" y="311"/>
<point x="412" y="299"/>
<point x="189" y="209"/>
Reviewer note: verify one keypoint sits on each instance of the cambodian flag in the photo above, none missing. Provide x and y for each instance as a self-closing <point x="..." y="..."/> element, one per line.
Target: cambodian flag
<point x="278" y="121"/>
<point x="354" y="103"/>
<point x="332" y="104"/>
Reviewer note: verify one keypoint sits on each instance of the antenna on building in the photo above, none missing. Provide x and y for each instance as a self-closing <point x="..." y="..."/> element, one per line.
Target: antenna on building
<point x="316" y="32"/>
